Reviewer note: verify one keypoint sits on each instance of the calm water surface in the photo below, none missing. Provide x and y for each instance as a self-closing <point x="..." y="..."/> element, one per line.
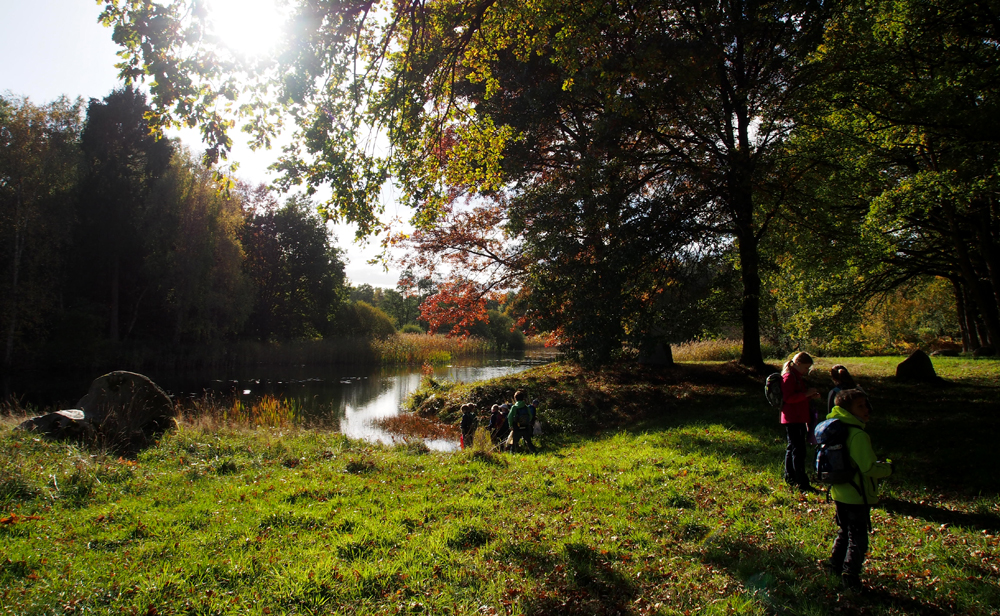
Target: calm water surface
<point x="352" y="398"/>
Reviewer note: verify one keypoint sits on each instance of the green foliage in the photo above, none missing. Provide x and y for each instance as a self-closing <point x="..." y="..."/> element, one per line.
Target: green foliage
<point x="198" y="289"/>
<point x="500" y="332"/>
<point x="411" y="328"/>
<point x="364" y="320"/>
<point x="902" y="132"/>
<point x="297" y="273"/>
<point x="40" y="164"/>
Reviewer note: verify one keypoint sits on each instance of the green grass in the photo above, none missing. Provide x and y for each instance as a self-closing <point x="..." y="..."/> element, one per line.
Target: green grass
<point x="660" y="493"/>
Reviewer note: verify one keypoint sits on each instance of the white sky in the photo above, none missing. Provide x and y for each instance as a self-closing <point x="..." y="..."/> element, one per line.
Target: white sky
<point x="55" y="47"/>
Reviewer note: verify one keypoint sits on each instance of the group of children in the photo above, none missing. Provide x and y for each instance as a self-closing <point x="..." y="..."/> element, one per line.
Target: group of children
<point x="509" y="424"/>
<point x="853" y="500"/>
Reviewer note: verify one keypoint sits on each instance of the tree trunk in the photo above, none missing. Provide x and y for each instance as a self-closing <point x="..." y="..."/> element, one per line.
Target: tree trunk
<point x="19" y="242"/>
<point x="983" y="301"/>
<point x="752" y="356"/>
<point x="988" y="252"/>
<point x="114" y="299"/>
<point x="963" y="316"/>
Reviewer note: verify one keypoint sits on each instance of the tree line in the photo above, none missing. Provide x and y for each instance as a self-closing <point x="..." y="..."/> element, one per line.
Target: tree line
<point x="113" y="237"/>
<point x="619" y="165"/>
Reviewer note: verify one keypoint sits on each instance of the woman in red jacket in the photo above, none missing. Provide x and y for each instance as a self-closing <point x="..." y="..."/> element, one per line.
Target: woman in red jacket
<point x="795" y="417"/>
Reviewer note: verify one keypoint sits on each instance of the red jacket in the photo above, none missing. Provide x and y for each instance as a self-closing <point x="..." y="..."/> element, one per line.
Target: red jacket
<point x="795" y="403"/>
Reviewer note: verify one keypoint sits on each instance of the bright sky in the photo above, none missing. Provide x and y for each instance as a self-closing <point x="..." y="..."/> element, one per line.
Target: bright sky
<point x="55" y="47"/>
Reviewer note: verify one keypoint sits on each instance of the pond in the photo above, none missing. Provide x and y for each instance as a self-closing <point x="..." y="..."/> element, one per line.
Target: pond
<point x="352" y="398"/>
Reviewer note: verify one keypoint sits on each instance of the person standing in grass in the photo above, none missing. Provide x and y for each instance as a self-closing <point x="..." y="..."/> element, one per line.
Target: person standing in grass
<point x="522" y="420"/>
<point x="469" y="424"/>
<point x="498" y="425"/>
<point x="842" y="380"/>
<point x="795" y="416"/>
<point x="854" y="500"/>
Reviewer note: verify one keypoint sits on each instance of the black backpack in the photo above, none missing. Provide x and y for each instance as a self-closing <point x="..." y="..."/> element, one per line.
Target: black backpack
<point x="522" y="420"/>
<point x="772" y="390"/>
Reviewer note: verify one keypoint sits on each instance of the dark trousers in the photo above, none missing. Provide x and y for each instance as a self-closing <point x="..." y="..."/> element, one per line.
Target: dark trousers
<point x="795" y="454"/>
<point x="851" y="545"/>
<point x="525" y="434"/>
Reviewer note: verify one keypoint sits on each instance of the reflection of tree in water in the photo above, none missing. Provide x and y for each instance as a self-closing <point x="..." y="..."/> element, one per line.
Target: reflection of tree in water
<point x="410" y="424"/>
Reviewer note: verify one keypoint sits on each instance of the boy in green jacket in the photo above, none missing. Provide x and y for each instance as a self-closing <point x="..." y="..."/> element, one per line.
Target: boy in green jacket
<point x="853" y="508"/>
<point x="522" y="420"/>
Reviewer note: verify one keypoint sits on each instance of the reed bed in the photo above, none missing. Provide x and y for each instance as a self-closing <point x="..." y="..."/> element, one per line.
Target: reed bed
<point x="210" y="412"/>
<point x="720" y="349"/>
<point x="419" y="349"/>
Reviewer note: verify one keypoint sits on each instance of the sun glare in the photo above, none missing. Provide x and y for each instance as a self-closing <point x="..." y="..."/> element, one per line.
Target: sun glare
<point x="251" y="27"/>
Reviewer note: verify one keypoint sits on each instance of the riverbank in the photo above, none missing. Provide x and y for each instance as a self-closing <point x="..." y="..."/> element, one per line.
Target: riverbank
<point x="668" y="501"/>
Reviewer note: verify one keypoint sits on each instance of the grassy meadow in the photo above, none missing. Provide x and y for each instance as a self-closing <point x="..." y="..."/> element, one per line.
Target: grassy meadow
<point x="655" y="492"/>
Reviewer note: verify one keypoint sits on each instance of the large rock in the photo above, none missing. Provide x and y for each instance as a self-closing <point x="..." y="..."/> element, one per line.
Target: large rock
<point x="984" y="351"/>
<point x="659" y="355"/>
<point x="917" y="368"/>
<point x="125" y="407"/>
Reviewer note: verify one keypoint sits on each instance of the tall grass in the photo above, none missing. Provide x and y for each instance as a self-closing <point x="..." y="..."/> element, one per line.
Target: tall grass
<point x="419" y="349"/>
<point x="722" y="349"/>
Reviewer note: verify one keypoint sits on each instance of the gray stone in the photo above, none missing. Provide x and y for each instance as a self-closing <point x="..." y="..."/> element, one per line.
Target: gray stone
<point x="917" y="368"/>
<point x="125" y="406"/>
<point x="70" y="423"/>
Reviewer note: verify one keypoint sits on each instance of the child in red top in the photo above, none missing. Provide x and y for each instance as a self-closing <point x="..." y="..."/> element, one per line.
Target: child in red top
<point x="795" y="415"/>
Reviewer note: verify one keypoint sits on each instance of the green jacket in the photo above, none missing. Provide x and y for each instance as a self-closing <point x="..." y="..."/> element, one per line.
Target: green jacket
<point x="859" y="446"/>
<point x="512" y="415"/>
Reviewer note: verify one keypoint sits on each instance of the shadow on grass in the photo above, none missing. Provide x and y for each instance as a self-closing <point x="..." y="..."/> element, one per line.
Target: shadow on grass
<point x="580" y="581"/>
<point x="978" y="521"/>
<point x="776" y="576"/>
<point x="586" y="584"/>
<point x="934" y="434"/>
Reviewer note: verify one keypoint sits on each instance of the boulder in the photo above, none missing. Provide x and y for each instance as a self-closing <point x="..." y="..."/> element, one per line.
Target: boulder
<point x="126" y="407"/>
<point x="659" y="355"/>
<point x="984" y="351"/>
<point x="917" y="368"/>
<point x="70" y="423"/>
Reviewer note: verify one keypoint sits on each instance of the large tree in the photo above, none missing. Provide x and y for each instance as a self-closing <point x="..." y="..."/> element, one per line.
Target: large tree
<point x="654" y="98"/>
<point x="39" y="168"/>
<point x="296" y="271"/>
<point x="123" y="160"/>
<point x="904" y="122"/>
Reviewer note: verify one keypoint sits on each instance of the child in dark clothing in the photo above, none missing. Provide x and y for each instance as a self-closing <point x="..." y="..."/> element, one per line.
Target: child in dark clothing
<point x="469" y="424"/>
<point x="842" y="380"/>
<point x="498" y="425"/>
<point x="853" y="506"/>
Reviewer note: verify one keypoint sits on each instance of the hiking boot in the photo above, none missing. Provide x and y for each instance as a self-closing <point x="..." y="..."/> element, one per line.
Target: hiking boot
<point x="851" y="582"/>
